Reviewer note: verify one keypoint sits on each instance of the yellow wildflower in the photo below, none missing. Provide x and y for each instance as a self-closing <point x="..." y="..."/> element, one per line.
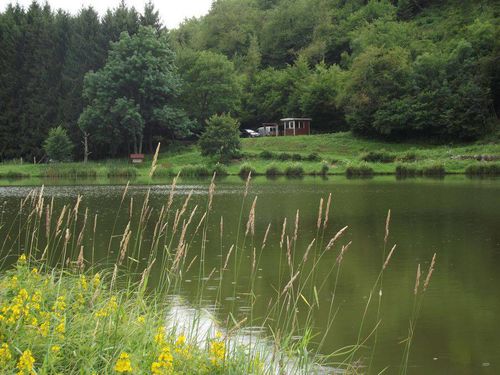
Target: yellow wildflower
<point x="83" y="282"/>
<point x="44" y="328"/>
<point x="160" y="335"/>
<point x="61" y="327"/>
<point x="164" y="363"/>
<point x="109" y="308"/>
<point x="141" y="319"/>
<point x="123" y="363"/>
<point x="217" y="352"/>
<point x="55" y="348"/>
<point x="59" y="305"/>
<point x="5" y="355"/>
<point x="13" y="282"/>
<point x="26" y="362"/>
<point x="22" y="259"/>
<point x="96" y="280"/>
<point x="34" y="271"/>
<point x="181" y="340"/>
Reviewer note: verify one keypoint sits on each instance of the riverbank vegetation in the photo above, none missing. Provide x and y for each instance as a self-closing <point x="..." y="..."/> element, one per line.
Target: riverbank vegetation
<point x="391" y="70"/>
<point x="325" y="154"/>
<point x="67" y="306"/>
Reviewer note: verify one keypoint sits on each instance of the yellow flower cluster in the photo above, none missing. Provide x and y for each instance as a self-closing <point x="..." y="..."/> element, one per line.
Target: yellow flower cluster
<point x="164" y="364"/>
<point x="5" y="355"/>
<point x="217" y="351"/>
<point x="108" y="309"/>
<point x="25" y="364"/>
<point x="160" y="335"/>
<point x="123" y="363"/>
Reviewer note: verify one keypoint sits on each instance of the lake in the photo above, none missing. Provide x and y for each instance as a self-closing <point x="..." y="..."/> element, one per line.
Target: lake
<point x="458" y="327"/>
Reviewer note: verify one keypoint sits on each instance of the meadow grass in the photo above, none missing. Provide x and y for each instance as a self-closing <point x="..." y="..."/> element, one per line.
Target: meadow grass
<point x="339" y="151"/>
<point x="61" y="311"/>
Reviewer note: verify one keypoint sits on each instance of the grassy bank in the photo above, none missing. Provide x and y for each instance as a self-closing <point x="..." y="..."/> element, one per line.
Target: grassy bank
<point x="326" y="154"/>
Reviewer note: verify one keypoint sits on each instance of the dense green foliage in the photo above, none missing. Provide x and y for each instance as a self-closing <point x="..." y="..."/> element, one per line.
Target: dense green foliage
<point x="132" y="97"/>
<point x="394" y="69"/>
<point x="221" y="138"/>
<point x="58" y="146"/>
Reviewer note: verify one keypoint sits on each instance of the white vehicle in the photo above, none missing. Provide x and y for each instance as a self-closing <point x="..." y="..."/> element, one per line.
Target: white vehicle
<point x="249" y="133"/>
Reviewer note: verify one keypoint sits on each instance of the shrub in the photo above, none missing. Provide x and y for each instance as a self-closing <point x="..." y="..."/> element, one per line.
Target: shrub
<point x="273" y="170"/>
<point x="381" y="156"/>
<point x="69" y="172"/>
<point x="296" y="157"/>
<point x="434" y="170"/>
<point x="324" y="169"/>
<point x="407" y="157"/>
<point x="58" y="146"/>
<point x="195" y="171"/>
<point x="284" y="156"/>
<point x="162" y="172"/>
<point x="483" y="169"/>
<point x="313" y="157"/>
<point x="221" y="138"/>
<point x="12" y="174"/>
<point x="403" y="170"/>
<point x="125" y="172"/>
<point x="267" y="155"/>
<point x="245" y="169"/>
<point x="361" y="170"/>
<point x="294" y="170"/>
<point x="220" y="170"/>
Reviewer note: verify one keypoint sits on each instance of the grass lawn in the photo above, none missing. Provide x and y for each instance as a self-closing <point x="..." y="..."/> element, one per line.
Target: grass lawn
<point x="338" y="151"/>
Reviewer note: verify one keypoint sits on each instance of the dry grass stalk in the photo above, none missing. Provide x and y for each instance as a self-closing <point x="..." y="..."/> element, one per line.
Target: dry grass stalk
<point x="247" y="184"/>
<point x="113" y="278"/>
<point x="327" y="211"/>
<point x="290" y="283"/>
<point x="154" y="162"/>
<point x="48" y="218"/>
<point x="296" y="230"/>
<point x="251" y="219"/>
<point x="191" y="263"/>
<point x="388" y="257"/>
<point x="335" y="238"/>
<point x="289" y="251"/>
<point x="306" y="254"/>
<point x="265" y="237"/>
<point x="342" y="252"/>
<point x="181" y="247"/>
<point x="227" y="257"/>
<point x="200" y="223"/>
<point x="320" y="213"/>
<point x="429" y="273"/>
<point x="80" y="236"/>
<point x="124" y="243"/>
<point x="417" y="280"/>
<point x="172" y="192"/>
<point x="80" y="263"/>
<point x="211" y="192"/>
<point x="387" y="222"/>
<point x="146" y="272"/>
<point x="77" y="205"/>
<point x="181" y="212"/>
<point x="283" y="233"/>
<point x="254" y="260"/>
<point x="124" y="192"/>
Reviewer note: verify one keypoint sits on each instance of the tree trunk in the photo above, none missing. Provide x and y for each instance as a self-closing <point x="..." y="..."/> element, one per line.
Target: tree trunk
<point x="86" y="151"/>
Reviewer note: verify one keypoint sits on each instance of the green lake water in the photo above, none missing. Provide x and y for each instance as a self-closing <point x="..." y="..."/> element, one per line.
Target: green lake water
<point x="458" y="329"/>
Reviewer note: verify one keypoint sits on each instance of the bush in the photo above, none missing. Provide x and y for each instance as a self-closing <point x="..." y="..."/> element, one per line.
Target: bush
<point x="267" y="155"/>
<point x="12" y="174"/>
<point x="483" y="169"/>
<point x="324" y="169"/>
<point x="125" y="172"/>
<point x="403" y="170"/>
<point x="195" y="171"/>
<point x="58" y="146"/>
<point x="378" y="157"/>
<point x="69" y="172"/>
<point x="284" y="156"/>
<point x="407" y="157"/>
<point x="162" y="172"/>
<point x="296" y="157"/>
<point x="220" y="170"/>
<point x="434" y="170"/>
<point x="273" y="170"/>
<point x="361" y="170"/>
<point x="245" y="170"/>
<point x="313" y="157"/>
<point x="294" y="170"/>
<point x="221" y="138"/>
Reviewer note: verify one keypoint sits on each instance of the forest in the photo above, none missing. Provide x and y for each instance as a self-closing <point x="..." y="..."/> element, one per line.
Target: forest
<point x="120" y="82"/>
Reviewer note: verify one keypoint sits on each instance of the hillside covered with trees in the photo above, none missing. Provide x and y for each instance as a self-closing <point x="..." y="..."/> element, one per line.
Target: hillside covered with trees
<point x="119" y="82"/>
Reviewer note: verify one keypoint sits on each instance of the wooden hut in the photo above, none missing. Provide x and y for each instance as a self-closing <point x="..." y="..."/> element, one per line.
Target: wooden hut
<point x="295" y="126"/>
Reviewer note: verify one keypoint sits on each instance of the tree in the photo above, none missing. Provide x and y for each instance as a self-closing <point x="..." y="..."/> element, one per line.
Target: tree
<point x="221" y="138"/>
<point x="211" y="84"/>
<point x="132" y="98"/>
<point x="58" y="146"/>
